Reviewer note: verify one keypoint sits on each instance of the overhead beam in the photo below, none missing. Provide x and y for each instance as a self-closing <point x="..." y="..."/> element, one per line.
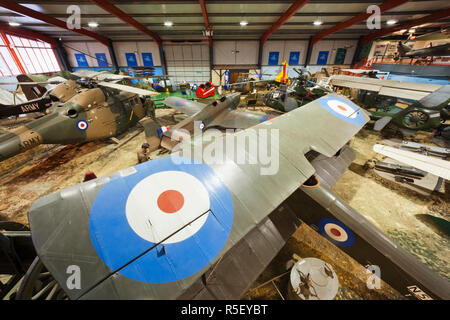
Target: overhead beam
<point x="28" y="34"/>
<point x="385" y="6"/>
<point x="11" y="5"/>
<point x="125" y="17"/>
<point x="224" y="14"/>
<point x="205" y="17"/>
<point x="406" y="25"/>
<point x="297" y="5"/>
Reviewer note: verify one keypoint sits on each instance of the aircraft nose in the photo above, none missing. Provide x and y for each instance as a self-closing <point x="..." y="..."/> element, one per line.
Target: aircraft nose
<point x="235" y="99"/>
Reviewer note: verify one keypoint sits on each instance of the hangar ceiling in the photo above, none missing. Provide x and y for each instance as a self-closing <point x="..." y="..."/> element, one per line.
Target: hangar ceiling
<point x="223" y="16"/>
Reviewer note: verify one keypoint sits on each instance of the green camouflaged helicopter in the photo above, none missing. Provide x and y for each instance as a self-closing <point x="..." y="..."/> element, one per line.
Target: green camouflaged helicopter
<point x="421" y="115"/>
<point x="95" y="110"/>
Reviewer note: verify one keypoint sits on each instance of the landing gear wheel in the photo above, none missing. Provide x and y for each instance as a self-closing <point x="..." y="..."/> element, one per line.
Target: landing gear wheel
<point x="415" y="119"/>
<point x="38" y="284"/>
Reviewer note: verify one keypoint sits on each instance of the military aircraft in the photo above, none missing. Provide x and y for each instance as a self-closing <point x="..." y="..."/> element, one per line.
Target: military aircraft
<point x="404" y="51"/>
<point x="101" y="111"/>
<point x="288" y="97"/>
<point x="40" y="99"/>
<point x="190" y="228"/>
<point x="423" y="114"/>
<point x="220" y="113"/>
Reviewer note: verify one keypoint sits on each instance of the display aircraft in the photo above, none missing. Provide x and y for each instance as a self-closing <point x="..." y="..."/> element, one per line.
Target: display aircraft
<point x="420" y="115"/>
<point x="101" y="111"/>
<point x="183" y="227"/>
<point x="423" y="114"/>
<point x="288" y="97"/>
<point x="220" y="113"/>
<point x="40" y="99"/>
<point x="405" y="51"/>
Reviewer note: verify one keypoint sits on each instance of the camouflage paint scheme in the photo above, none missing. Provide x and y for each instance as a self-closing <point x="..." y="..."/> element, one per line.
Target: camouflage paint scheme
<point x="421" y="115"/>
<point x="107" y="112"/>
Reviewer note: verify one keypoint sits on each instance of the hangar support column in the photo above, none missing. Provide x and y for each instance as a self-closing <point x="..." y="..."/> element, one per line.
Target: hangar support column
<point x="112" y="54"/>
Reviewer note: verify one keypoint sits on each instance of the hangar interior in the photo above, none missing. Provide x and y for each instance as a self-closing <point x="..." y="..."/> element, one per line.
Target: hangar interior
<point x="108" y="91"/>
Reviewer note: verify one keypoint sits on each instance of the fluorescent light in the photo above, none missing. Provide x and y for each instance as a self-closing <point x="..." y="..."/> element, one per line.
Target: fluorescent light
<point x="168" y="23"/>
<point x="243" y="23"/>
<point x="93" y="24"/>
<point x="391" y="22"/>
<point x="14" y="24"/>
<point x="317" y="23"/>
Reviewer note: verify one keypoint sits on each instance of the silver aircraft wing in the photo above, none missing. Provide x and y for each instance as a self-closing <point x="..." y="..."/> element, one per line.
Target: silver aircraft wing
<point x="185" y="106"/>
<point x="392" y="88"/>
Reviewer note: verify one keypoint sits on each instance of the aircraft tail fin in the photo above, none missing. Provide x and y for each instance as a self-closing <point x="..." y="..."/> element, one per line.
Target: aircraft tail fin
<point x="31" y="91"/>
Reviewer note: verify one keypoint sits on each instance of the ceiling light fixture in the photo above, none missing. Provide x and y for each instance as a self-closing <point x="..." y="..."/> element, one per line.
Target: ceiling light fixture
<point x="391" y="22"/>
<point x="317" y="23"/>
<point x="168" y="23"/>
<point x="93" y="24"/>
<point x="14" y="24"/>
<point x="243" y="23"/>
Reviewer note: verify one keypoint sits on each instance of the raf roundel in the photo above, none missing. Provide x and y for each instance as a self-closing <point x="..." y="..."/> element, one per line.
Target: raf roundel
<point x="163" y="222"/>
<point x="343" y="109"/>
<point x="266" y="118"/>
<point x="82" y="125"/>
<point x="180" y="103"/>
<point x="336" y="232"/>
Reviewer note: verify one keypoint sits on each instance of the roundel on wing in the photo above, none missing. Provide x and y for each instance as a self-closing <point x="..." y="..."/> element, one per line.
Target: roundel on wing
<point x="267" y="118"/>
<point x="336" y="232"/>
<point x="180" y="103"/>
<point x="343" y="109"/>
<point x="175" y="217"/>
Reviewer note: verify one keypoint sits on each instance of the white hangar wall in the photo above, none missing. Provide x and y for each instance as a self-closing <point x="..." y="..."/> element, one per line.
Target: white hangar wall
<point x="242" y="52"/>
<point x="188" y="62"/>
<point x="139" y="48"/>
<point x="89" y="49"/>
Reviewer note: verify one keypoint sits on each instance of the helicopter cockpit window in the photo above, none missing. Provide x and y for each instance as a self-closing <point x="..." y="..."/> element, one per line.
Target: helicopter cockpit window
<point x="202" y="86"/>
<point x="208" y="85"/>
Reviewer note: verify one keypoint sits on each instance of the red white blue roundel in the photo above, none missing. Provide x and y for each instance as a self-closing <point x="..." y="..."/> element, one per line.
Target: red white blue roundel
<point x="174" y="218"/>
<point x="267" y="117"/>
<point x="180" y="103"/>
<point x="201" y="125"/>
<point x="342" y="108"/>
<point x="336" y="232"/>
<point x="82" y="125"/>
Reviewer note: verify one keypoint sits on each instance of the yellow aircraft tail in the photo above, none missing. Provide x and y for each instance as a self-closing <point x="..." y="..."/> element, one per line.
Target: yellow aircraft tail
<point x="283" y="76"/>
